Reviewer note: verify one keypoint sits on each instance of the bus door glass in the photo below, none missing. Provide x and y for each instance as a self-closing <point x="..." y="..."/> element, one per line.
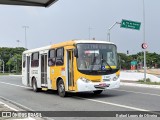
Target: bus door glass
<point x="70" y="69"/>
<point x="28" y="70"/>
<point x="44" y="70"/>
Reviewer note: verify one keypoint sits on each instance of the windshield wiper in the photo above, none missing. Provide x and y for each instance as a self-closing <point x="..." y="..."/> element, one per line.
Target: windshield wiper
<point x="94" y="59"/>
<point x="105" y="62"/>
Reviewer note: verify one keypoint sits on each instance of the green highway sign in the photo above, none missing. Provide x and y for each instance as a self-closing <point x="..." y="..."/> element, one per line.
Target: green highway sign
<point x="133" y="62"/>
<point x="130" y="24"/>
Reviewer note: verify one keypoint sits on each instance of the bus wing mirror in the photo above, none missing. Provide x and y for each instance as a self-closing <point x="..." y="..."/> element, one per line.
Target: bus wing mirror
<point x="76" y="53"/>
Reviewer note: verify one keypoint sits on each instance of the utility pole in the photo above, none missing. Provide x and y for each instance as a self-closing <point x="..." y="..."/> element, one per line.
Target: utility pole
<point x="25" y="32"/>
<point x="110" y="30"/>
<point x="144" y="41"/>
<point x="89" y="32"/>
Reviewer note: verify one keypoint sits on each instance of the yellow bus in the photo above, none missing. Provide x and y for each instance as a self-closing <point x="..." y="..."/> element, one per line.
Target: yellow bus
<point x="72" y="66"/>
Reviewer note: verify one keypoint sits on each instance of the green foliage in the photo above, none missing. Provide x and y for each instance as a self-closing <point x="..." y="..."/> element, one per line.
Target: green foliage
<point x="152" y="59"/>
<point x="148" y="81"/>
<point x="125" y="60"/>
<point x="12" y="58"/>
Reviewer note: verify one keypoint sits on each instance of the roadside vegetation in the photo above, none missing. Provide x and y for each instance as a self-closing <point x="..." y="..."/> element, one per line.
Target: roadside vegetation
<point x="148" y="81"/>
<point x="152" y="60"/>
<point x="11" y="58"/>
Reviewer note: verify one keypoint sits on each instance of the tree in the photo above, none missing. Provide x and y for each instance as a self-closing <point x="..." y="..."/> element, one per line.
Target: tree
<point x="6" y="54"/>
<point x="125" y="60"/>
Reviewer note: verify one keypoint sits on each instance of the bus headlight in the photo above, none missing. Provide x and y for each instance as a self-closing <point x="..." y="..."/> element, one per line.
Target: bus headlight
<point x="84" y="80"/>
<point x="115" y="78"/>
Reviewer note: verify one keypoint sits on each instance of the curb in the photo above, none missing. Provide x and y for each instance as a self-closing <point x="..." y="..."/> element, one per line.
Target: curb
<point x="140" y="85"/>
<point x="15" y="75"/>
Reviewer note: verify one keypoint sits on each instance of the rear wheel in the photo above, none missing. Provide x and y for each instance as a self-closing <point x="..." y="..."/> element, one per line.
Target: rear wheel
<point x="98" y="92"/>
<point x="61" y="88"/>
<point x="34" y="85"/>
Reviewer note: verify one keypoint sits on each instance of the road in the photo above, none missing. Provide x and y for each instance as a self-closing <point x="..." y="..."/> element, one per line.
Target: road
<point x="122" y="99"/>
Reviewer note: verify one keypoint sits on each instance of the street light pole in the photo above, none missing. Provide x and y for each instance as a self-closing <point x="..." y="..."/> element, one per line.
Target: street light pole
<point x="18" y="42"/>
<point x="144" y="41"/>
<point x="89" y="30"/>
<point x="110" y="30"/>
<point x="25" y="30"/>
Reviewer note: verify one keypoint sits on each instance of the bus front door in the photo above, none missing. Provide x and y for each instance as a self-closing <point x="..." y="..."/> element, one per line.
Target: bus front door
<point x="70" y="73"/>
<point x="44" y="70"/>
<point x="28" y="70"/>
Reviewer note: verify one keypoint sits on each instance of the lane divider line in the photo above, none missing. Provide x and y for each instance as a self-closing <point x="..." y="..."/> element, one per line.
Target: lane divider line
<point x="98" y="101"/>
<point x="114" y="104"/>
<point x="14" y="85"/>
<point x="137" y="92"/>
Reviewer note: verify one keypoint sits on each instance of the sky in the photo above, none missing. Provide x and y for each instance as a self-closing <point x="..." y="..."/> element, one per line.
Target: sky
<point x="81" y="19"/>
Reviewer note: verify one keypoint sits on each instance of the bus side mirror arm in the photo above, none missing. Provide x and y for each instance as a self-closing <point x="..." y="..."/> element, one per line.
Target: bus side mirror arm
<point x="76" y="52"/>
<point x="119" y="61"/>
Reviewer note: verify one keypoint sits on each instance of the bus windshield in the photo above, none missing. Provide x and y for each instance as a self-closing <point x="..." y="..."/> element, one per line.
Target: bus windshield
<point x="97" y="57"/>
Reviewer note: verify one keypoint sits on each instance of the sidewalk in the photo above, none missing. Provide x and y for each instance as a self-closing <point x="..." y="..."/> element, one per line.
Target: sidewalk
<point x="6" y="111"/>
<point x="152" y="71"/>
<point x="130" y="78"/>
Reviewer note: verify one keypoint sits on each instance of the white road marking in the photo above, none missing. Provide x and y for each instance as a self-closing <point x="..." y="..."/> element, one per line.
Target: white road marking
<point x="113" y="89"/>
<point x="138" y="92"/>
<point x="98" y="101"/>
<point x="14" y="85"/>
<point x="17" y="104"/>
<point x="114" y="104"/>
<point x="28" y="118"/>
<point x="8" y="106"/>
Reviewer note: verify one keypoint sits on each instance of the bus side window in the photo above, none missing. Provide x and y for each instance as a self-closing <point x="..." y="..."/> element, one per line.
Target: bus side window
<point x="51" y="57"/>
<point x="35" y="60"/>
<point x="60" y="56"/>
<point x="24" y="61"/>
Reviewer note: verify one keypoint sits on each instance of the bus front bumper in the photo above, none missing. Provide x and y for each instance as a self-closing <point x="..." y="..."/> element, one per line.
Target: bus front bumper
<point x="93" y="86"/>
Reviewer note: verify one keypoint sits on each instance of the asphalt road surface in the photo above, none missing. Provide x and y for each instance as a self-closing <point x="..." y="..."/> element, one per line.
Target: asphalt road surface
<point x="122" y="99"/>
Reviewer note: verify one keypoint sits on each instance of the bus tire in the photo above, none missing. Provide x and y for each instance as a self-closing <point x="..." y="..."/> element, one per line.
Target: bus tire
<point x="97" y="92"/>
<point x="61" y="88"/>
<point x="34" y="85"/>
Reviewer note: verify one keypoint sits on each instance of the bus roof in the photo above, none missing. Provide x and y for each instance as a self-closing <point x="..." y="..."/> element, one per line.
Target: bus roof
<point x="72" y="42"/>
<point x="37" y="49"/>
<point x="67" y="43"/>
<point x="92" y="41"/>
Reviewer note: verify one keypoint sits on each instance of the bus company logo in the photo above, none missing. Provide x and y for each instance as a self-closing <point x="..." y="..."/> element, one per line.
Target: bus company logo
<point x="6" y="114"/>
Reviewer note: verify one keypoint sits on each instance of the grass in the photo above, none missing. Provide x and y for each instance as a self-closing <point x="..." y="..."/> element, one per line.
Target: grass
<point x="10" y="73"/>
<point x="4" y="73"/>
<point x="148" y="81"/>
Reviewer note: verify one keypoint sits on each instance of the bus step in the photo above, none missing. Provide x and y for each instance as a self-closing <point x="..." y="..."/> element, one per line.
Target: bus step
<point x="45" y="89"/>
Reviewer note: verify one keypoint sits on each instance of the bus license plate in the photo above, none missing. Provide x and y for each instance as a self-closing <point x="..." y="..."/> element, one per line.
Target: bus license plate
<point x="103" y="85"/>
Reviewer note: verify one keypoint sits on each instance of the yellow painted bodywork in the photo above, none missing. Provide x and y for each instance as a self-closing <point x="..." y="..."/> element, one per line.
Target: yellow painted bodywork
<point x="57" y="71"/>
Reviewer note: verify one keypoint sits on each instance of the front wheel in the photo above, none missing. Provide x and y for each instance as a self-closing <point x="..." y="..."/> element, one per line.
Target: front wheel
<point x="61" y="88"/>
<point x="98" y="92"/>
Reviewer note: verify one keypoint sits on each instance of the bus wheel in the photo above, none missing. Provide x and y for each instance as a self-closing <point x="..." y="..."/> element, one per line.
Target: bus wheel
<point x="61" y="88"/>
<point x="34" y="85"/>
<point x="97" y="92"/>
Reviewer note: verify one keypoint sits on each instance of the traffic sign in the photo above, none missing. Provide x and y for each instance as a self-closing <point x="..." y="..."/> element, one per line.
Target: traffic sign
<point x="130" y="24"/>
<point x="144" y="45"/>
<point x="133" y="62"/>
